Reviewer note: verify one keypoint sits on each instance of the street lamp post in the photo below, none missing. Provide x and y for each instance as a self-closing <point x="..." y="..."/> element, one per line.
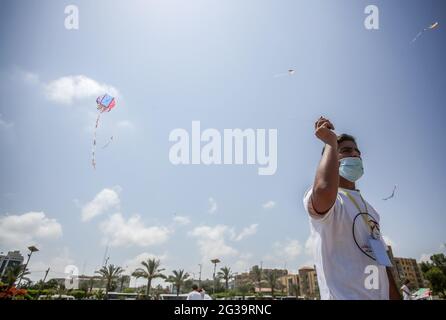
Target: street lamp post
<point x="31" y="250"/>
<point x="199" y="276"/>
<point x="214" y="261"/>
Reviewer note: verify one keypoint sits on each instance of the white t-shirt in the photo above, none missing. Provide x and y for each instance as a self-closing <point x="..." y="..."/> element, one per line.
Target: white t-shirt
<point x="341" y="266"/>
<point x="194" y="295"/>
<point x="406" y="293"/>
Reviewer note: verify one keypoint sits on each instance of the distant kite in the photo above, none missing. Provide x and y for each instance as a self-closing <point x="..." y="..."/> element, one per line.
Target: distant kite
<point x="109" y="141"/>
<point x="290" y="72"/>
<point x="431" y="27"/>
<point x="392" y="195"/>
<point x="104" y="103"/>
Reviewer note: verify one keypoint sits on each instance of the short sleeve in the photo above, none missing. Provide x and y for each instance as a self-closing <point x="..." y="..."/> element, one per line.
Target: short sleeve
<point x="308" y="204"/>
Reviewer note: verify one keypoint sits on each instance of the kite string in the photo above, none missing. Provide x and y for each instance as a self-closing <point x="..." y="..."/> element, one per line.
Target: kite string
<point x="93" y="159"/>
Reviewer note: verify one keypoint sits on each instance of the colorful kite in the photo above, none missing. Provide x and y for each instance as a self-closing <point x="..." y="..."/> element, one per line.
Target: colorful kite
<point x="104" y="103"/>
<point x="431" y="27"/>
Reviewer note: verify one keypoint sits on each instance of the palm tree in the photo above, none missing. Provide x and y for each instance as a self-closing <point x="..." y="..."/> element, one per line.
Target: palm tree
<point x="257" y="276"/>
<point x="226" y="274"/>
<point x="13" y="273"/>
<point x="294" y="289"/>
<point x="272" y="277"/>
<point x="178" y="278"/>
<point x="150" y="271"/>
<point x="244" y="288"/>
<point x="110" y="273"/>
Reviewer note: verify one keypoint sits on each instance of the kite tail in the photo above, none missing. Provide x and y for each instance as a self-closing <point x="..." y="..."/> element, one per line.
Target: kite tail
<point x="417" y="36"/>
<point x="93" y="152"/>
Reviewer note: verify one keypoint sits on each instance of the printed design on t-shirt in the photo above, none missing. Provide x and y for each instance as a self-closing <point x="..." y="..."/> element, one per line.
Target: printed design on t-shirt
<point x="365" y="220"/>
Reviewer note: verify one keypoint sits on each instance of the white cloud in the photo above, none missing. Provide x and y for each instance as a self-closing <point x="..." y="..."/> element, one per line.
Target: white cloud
<point x="212" y="206"/>
<point x="181" y="220"/>
<point x="288" y="250"/>
<point x="132" y="232"/>
<point x="292" y="249"/>
<point x="135" y="263"/>
<point x="426" y="257"/>
<point x="310" y="245"/>
<point x="243" y="263"/>
<point x="211" y="242"/>
<point x="20" y="231"/>
<point x="67" y="89"/>
<point x="246" y="232"/>
<point x="5" y="124"/>
<point x="105" y="200"/>
<point x="269" y="205"/>
<point x="389" y="241"/>
<point x="56" y="264"/>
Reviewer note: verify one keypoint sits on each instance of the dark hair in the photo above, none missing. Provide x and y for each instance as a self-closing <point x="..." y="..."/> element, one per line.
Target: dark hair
<point x="406" y="281"/>
<point x="194" y="287"/>
<point x="341" y="138"/>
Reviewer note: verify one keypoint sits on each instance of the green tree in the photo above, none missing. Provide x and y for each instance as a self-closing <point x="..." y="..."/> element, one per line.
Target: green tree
<point x="435" y="272"/>
<point x="244" y="288"/>
<point x="294" y="290"/>
<point x="177" y="279"/>
<point x="257" y="277"/>
<point x="128" y="290"/>
<point x="225" y="273"/>
<point x="150" y="271"/>
<point x="13" y="273"/>
<point x="272" y="277"/>
<point x="437" y="279"/>
<point x="439" y="261"/>
<point x="109" y="274"/>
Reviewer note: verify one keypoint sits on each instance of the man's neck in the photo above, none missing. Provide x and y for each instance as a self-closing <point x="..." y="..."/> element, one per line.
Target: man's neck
<point x="344" y="183"/>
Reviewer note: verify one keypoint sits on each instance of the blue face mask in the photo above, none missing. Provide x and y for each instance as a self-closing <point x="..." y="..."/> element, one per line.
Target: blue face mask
<point x="351" y="168"/>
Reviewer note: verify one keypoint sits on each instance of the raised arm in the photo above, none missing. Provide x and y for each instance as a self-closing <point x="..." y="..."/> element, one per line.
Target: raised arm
<point x="325" y="186"/>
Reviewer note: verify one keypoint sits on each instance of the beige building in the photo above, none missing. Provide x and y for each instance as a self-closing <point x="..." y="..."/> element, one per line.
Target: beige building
<point x="408" y="268"/>
<point x="290" y="284"/>
<point x="309" y="288"/>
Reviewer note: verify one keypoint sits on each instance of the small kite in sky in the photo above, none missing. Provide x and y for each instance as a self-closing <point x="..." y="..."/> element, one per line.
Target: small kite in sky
<point x="392" y="195"/>
<point x="104" y="103"/>
<point x="290" y="72"/>
<point x="109" y="141"/>
<point x="431" y="27"/>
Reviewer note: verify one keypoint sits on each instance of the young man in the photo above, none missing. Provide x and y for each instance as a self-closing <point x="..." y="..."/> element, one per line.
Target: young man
<point x="204" y="295"/>
<point x="194" y="294"/>
<point x="350" y="254"/>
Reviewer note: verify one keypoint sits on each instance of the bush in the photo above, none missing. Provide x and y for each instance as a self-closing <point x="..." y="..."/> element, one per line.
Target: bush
<point x="33" y="293"/>
<point x="77" y="294"/>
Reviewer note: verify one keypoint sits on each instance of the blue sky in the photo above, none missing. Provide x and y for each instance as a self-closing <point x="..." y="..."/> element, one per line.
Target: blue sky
<point x="173" y="62"/>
